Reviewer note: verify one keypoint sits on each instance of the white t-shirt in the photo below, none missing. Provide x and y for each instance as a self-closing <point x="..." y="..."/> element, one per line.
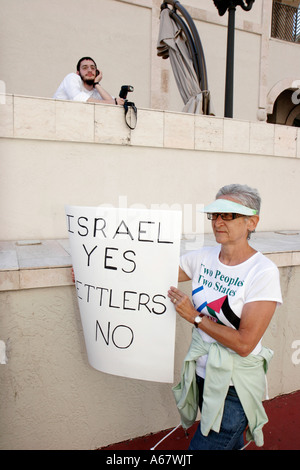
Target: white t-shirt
<point x="220" y="291"/>
<point x="71" y="88"/>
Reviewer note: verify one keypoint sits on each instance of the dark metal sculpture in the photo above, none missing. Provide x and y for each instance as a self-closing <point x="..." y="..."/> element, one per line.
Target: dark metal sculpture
<point x="186" y="23"/>
<point x="223" y="6"/>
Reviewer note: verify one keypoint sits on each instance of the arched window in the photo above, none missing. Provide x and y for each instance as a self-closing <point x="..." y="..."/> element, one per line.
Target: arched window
<point x="284" y="103"/>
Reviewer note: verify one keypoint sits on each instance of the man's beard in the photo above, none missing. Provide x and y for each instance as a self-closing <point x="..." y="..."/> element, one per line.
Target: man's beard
<point x="88" y="81"/>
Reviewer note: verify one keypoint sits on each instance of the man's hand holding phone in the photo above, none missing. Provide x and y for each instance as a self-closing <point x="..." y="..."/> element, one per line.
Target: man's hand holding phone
<point x="98" y="77"/>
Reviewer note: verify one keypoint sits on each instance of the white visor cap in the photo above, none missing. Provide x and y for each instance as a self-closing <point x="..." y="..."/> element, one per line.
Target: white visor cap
<point x="224" y="205"/>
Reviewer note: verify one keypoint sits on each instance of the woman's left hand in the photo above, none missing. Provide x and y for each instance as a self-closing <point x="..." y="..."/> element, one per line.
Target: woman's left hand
<point x="182" y="303"/>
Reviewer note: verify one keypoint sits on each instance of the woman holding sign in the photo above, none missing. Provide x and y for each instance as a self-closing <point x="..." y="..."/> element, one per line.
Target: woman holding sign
<point x="235" y="291"/>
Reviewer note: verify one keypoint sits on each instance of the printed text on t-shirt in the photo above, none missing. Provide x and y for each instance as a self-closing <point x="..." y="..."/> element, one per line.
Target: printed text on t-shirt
<point x="219" y="282"/>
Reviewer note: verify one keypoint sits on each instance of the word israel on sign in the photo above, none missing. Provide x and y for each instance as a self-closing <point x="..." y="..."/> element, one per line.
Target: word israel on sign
<point x="124" y="262"/>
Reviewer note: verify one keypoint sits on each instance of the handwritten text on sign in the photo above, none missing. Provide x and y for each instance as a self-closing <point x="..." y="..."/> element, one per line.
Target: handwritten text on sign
<point x="124" y="261"/>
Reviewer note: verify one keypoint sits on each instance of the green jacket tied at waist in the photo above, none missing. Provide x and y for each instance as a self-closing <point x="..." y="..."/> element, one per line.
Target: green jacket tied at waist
<point x="223" y="366"/>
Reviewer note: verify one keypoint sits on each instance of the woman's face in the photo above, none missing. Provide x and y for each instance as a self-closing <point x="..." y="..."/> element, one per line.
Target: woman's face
<point x="233" y="231"/>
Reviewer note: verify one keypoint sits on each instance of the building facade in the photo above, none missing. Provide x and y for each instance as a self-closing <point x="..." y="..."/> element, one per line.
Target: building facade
<point x="42" y="41"/>
<point x="56" y="152"/>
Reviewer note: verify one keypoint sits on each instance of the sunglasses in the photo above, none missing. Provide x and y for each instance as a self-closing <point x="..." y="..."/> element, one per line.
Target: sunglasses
<point x="224" y="216"/>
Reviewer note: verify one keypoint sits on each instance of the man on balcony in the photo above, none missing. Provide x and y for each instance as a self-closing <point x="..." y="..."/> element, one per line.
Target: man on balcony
<point x="84" y="85"/>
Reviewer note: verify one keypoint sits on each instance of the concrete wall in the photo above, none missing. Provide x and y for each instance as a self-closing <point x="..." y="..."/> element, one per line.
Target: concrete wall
<point x="74" y="153"/>
<point x="53" y="399"/>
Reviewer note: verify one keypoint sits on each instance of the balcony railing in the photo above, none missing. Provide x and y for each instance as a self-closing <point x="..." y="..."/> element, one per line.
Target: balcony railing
<point x="285" y="22"/>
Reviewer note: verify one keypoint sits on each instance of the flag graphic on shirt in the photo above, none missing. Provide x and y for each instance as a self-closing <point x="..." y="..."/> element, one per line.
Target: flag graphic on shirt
<point x="217" y="308"/>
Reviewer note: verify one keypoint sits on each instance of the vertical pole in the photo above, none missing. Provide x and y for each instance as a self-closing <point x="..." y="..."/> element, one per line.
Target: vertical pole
<point x="230" y="62"/>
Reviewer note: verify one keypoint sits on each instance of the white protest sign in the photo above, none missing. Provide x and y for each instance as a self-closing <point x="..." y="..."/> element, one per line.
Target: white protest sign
<point x="124" y="261"/>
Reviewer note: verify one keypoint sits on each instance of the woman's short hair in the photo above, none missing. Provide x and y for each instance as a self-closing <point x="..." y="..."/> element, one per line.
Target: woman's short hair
<point x="247" y="196"/>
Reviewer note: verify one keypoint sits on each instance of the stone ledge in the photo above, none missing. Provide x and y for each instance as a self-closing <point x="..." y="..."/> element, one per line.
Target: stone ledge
<point x="26" y="117"/>
<point x="32" y="264"/>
